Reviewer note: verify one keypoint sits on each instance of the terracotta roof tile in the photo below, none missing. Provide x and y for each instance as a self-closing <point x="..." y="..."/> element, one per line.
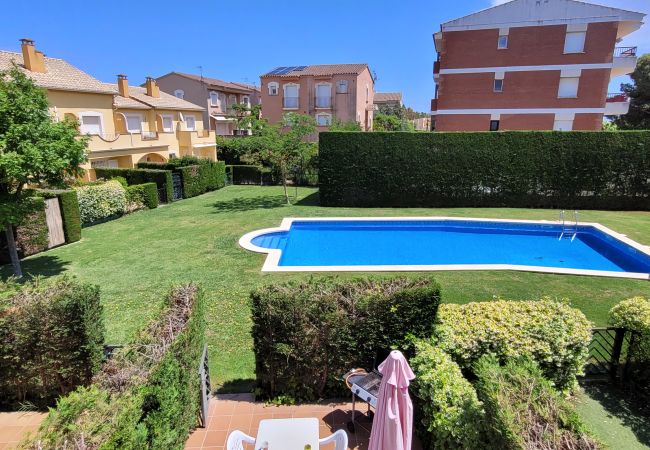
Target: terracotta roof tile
<point x="138" y="99"/>
<point x="216" y="83"/>
<point x="323" y="70"/>
<point x="388" y="97"/>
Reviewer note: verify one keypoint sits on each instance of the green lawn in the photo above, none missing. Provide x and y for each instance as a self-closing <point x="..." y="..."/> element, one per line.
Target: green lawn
<point x="135" y="259"/>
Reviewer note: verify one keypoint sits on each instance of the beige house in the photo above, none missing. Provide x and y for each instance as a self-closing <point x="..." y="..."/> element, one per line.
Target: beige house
<point x="126" y="124"/>
<point x="388" y="99"/>
<point x="216" y="95"/>
<point x="342" y="91"/>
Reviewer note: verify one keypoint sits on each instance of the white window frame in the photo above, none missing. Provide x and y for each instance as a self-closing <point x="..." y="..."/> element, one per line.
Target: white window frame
<point x="563" y="124"/>
<point x="329" y="85"/>
<point x="339" y="87"/>
<point x="561" y="88"/>
<point x="92" y="114"/>
<point x="502" y="43"/>
<point x="214" y="99"/>
<point x="246" y="100"/>
<point x="187" y="126"/>
<point x="140" y="118"/>
<point x="179" y="93"/>
<point x="284" y="95"/>
<point x="328" y="118"/>
<point x="274" y="88"/>
<point x="162" y="119"/>
<point x="573" y="37"/>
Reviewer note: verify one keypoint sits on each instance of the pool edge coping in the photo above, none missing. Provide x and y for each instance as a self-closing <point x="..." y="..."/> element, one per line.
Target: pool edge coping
<point x="271" y="263"/>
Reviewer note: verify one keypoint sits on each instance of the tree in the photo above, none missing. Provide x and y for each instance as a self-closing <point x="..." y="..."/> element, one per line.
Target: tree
<point x="385" y="122"/>
<point x="338" y="125"/>
<point x="34" y="150"/>
<point x="247" y="117"/>
<point x="638" y="117"/>
<point x="609" y="126"/>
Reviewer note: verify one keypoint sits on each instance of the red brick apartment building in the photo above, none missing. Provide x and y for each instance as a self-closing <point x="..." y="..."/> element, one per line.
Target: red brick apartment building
<point x="532" y="65"/>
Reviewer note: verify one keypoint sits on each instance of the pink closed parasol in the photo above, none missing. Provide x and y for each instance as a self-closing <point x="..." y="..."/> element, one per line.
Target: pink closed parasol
<point x="392" y="427"/>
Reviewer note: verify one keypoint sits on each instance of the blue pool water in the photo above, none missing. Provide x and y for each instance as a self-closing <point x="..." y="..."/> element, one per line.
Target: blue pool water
<point x="444" y="242"/>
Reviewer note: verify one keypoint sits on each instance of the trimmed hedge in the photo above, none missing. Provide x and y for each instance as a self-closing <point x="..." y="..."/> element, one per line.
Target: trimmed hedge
<point x="449" y="414"/>
<point x="249" y="174"/>
<point x="307" y="335"/>
<point x="162" y="178"/>
<point x="32" y="236"/>
<point x="69" y="204"/>
<point x="633" y="314"/>
<point x="523" y="411"/>
<point x="98" y="202"/>
<point x="147" y="395"/>
<point x="198" y="175"/>
<point x="552" y="333"/>
<point x="581" y="170"/>
<point x="142" y="196"/>
<point x="51" y="341"/>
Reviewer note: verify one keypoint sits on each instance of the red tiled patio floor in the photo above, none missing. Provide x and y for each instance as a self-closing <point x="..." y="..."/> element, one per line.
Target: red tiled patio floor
<point x="230" y="412"/>
<point x="16" y="425"/>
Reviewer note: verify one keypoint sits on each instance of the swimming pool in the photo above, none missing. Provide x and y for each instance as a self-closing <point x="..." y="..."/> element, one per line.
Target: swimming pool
<point x="444" y="243"/>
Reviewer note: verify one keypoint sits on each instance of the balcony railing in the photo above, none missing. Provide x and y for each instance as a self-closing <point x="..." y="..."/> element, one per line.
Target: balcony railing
<point x="149" y="135"/>
<point x="291" y="102"/>
<point x="625" y="52"/>
<point x="323" y="102"/>
<point x="617" y="97"/>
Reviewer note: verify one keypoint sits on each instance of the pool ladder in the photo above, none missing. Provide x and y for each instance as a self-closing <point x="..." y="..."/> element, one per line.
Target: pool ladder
<point x="569" y="229"/>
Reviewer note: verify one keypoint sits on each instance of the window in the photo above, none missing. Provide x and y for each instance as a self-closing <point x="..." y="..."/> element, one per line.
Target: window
<point x="273" y="88"/>
<point x="568" y="87"/>
<point x="190" y="123"/>
<point x="106" y="163"/>
<point x="367" y="94"/>
<point x="498" y="85"/>
<point x="90" y="123"/>
<point x="246" y="100"/>
<point x="168" y="123"/>
<point x="222" y="102"/>
<point x="342" y="87"/>
<point x="563" y="125"/>
<point x="232" y="99"/>
<point x="574" y="42"/>
<point x="179" y="93"/>
<point x="214" y="99"/>
<point x="503" y="42"/>
<point x="323" y="95"/>
<point x="291" y="96"/>
<point x="133" y="123"/>
<point x="494" y="125"/>
<point x="323" y="120"/>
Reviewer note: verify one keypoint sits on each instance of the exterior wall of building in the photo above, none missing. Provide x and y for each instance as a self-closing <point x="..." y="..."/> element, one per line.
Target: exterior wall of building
<point x="195" y="92"/>
<point x="68" y="102"/>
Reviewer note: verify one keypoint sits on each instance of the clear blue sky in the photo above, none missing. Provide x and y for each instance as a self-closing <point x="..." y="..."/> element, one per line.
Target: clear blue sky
<point x="237" y="40"/>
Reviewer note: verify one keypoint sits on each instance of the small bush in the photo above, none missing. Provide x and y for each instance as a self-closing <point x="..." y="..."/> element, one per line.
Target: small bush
<point x="32" y="236"/>
<point x="450" y="413"/>
<point x="307" y="335"/>
<point x="51" y="341"/>
<point x="101" y="201"/>
<point x="523" y="411"/>
<point x="552" y="333"/>
<point x="634" y="315"/>
<point x="162" y="178"/>
<point x="198" y="175"/>
<point x="140" y="196"/>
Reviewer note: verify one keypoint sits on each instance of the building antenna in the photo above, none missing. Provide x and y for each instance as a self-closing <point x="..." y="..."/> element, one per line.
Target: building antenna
<point x="200" y="72"/>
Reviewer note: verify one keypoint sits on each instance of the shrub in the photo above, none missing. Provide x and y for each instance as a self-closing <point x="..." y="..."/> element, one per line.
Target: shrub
<point x="552" y="333"/>
<point x="51" y="340"/>
<point x="140" y="196"/>
<point x="634" y="315"/>
<point x="579" y="170"/>
<point x="69" y="204"/>
<point x="162" y="178"/>
<point x="249" y="174"/>
<point x="448" y="408"/>
<point x="32" y="234"/>
<point x="147" y="395"/>
<point x="101" y="201"/>
<point x="523" y="411"/>
<point x="307" y="335"/>
<point x="198" y="175"/>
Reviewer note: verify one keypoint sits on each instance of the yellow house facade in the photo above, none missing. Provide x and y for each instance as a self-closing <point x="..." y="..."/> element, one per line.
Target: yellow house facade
<point x="125" y="124"/>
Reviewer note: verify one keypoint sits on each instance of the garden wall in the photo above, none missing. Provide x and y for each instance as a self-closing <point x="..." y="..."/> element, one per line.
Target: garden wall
<point x="582" y="170"/>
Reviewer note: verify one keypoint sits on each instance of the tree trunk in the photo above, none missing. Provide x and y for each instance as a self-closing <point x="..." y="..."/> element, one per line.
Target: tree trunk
<point x="286" y="192"/>
<point x="13" y="251"/>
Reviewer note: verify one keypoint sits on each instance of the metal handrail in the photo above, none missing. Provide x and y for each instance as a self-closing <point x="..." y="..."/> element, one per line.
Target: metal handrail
<point x="149" y="135"/>
<point x="617" y="97"/>
<point x="629" y="52"/>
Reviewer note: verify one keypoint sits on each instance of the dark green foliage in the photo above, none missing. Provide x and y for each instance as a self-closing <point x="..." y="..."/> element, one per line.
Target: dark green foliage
<point x="32" y="234"/>
<point x="307" y="335"/>
<point x="198" y="175"/>
<point x="233" y="151"/>
<point x="69" y="204"/>
<point x="637" y="118"/>
<point x="249" y="174"/>
<point x="523" y="411"/>
<point x="147" y="395"/>
<point x="51" y="341"/>
<point x="582" y="170"/>
<point x="145" y="194"/>
<point x="162" y="178"/>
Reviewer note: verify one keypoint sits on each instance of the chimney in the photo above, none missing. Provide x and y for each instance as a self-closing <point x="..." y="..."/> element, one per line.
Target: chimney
<point x="152" y="88"/>
<point x="33" y="60"/>
<point x="122" y="85"/>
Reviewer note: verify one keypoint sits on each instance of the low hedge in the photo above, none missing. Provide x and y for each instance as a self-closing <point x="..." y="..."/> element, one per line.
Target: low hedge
<point x="523" y="411"/>
<point x="32" y="236"/>
<point x="552" y="333"/>
<point x="140" y="196"/>
<point x="162" y="178"/>
<point x="51" y="341"/>
<point x="249" y="174"/>
<point x="147" y="395"/>
<point x="198" y="175"/>
<point x="307" y="335"/>
<point x="98" y="202"/>
<point x="634" y="315"/>
<point x="578" y="170"/>
<point x="69" y="204"/>
<point x="448" y="412"/>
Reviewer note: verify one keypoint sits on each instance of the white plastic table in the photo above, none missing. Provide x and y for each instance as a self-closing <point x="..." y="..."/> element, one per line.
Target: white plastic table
<point x="287" y="434"/>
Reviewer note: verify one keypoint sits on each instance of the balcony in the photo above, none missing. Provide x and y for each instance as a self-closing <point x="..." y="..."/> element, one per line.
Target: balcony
<point x="197" y="139"/>
<point x="624" y="61"/>
<point x="324" y="102"/>
<point x="117" y="141"/>
<point x="290" y="103"/>
<point x="617" y="104"/>
<point x="436" y="69"/>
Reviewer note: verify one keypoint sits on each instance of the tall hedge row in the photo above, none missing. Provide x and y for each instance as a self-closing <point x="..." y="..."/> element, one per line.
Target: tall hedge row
<point x="307" y="335"/>
<point x="198" y="175"/>
<point x="51" y="341"/>
<point x="584" y="170"/>
<point x="147" y="395"/>
<point x="162" y="178"/>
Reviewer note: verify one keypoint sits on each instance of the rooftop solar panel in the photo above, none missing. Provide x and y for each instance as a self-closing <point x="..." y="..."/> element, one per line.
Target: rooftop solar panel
<point x="300" y="68"/>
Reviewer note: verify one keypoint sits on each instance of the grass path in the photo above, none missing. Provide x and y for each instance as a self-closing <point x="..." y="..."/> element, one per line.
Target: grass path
<point x="137" y="258"/>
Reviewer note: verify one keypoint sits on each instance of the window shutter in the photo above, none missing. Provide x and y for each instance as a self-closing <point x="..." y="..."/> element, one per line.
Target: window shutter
<point x="568" y="87"/>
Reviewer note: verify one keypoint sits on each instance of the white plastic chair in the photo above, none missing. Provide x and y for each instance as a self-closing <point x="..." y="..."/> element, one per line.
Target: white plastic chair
<point x="236" y="440"/>
<point x="340" y="439"/>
